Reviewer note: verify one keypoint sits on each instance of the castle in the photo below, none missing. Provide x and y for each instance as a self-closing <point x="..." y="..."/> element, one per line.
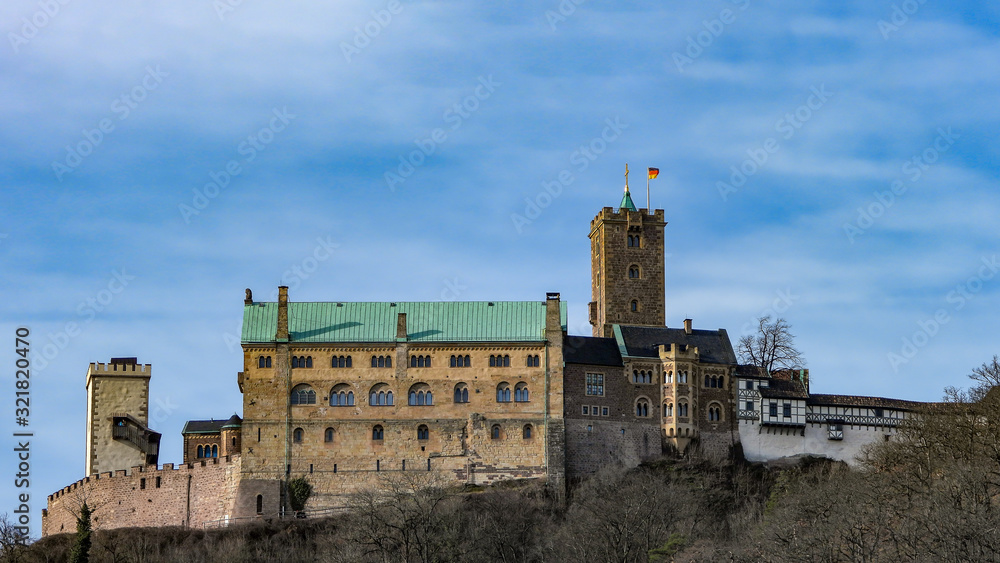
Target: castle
<point x="345" y="393"/>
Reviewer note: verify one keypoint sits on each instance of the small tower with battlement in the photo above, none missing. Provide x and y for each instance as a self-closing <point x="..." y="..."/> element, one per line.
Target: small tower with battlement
<point x="117" y="416"/>
<point x="627" y="267"/>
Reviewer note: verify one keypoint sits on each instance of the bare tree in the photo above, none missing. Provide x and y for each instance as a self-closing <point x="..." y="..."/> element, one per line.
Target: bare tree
<point x="986" y="376"/>
<point x="771" y="348"/>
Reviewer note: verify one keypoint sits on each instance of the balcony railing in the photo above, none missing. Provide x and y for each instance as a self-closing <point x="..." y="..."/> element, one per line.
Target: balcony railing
<point x="128" y="430"/>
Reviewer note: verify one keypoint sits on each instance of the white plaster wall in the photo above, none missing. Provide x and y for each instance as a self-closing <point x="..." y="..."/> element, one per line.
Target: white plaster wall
<point x="771" y="443"/>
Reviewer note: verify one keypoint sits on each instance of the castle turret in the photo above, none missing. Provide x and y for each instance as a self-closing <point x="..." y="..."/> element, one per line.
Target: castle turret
<point x="117" y="416"/>
<point x="627" y="268"/>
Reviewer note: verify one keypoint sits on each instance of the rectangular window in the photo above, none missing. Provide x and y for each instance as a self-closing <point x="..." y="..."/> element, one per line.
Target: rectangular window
<point x="749" y="384"/>
<point x="595" y="410"/>
<point x="749" y="405"/>
<point x="157" y="482"/>
<point x="773" y="411"/>
<point x="142" y="483"/>
<point x="604" y="411"/>
<point x="586" y="409"/>
<point x="786" y="410"/>
<point x="878" y="413"/>
<point x="595" y="384"/>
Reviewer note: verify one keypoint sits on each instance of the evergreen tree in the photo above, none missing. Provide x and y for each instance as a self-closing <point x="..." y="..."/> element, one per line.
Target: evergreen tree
<point x="81" y="547"/>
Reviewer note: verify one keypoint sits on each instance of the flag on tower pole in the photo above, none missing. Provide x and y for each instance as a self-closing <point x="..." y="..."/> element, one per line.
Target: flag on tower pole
<point x="652" y="173"/>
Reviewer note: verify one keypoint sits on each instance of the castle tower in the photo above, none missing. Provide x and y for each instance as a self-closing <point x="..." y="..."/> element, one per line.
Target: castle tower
<point x="626" y="267"/>
<point x="117" y="414"/>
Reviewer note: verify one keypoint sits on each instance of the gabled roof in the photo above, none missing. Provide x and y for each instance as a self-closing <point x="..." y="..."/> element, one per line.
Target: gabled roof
<point x="784" y="389"/>
<point x="713" y="346"/>
<point x="858" y="401"/>
<point x="591" y="351"/>
<point x="203" y="426"/>
<point x="460" y="321"/>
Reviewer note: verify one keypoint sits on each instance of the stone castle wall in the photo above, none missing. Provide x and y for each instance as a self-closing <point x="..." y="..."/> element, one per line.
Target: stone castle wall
<point x="188" y="495"/>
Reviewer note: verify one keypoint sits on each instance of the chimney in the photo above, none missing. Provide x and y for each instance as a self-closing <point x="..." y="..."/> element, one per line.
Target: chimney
<point x="282" y="334"/>
<point x="687" y="326"/>
<point x="401" y="327"/>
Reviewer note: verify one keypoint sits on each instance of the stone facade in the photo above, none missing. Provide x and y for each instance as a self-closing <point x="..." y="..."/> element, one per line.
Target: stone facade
<point x="627" y="269"/>
<point x="339" y="436"/>
<point x="190" y="495"/>
<point x="114" y="390"/>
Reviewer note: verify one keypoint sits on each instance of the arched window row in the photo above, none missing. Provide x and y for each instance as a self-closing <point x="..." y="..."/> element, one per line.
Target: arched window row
<point x="340" y="362"/>
<point x="420" y="395"/>
<point x="714" y="414"/>
<point x="342" y="396"/>
<point x="500" y="361"/>
<point x="682" y="377"/>
<point x="642" y="408"/>
<point x="380" y="396"/>
<point x="521" y="393"/>
<point x="461" y="393"/>
<point x="668" y="409"/>
<point x="264" y="362"/>
<point x="503" y="393"/>
<point x="634" y="241"/>
<point x="302" y="361"/>
<point x="534" y="361"/>
<point x="208" y="451"/>
<point x="682" y="409"/>
<point x="381" y="361"/>
<point x="303" y="395"/>
<point x="642" y="376"/>
<point x="634" y="272"/>
<point x="377" y="434"/>
<point x="420" y="361"/>
<point x="715" y="382"/>
<point x="461" y="361"/>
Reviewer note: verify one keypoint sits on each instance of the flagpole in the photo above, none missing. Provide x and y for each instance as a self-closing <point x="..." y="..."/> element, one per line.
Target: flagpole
<point x="648" y="208"/>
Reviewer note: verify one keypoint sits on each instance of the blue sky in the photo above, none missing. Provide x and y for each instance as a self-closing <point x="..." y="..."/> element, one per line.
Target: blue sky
<point x="834" y="164"/>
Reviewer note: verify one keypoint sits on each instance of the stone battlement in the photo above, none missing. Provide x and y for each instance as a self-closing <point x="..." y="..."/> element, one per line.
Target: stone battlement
<point x="98" y="368"/>
<point x="147" y="471"/>
<point x="610" y="214"/>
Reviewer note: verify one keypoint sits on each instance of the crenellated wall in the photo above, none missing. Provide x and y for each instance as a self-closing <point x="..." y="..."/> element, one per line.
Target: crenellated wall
<point x="187" y="495"/>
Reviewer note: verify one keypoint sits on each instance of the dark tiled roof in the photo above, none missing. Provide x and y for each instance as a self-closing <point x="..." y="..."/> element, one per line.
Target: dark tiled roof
<point x="856" y="401"/>
<point x="749" y="371"/>
<point x="591" y="351"/>
<point x="234" y="422"/>
<point x="713" y="345"/>
<point x="784" y="389"/>
<point x="204" y="426"/>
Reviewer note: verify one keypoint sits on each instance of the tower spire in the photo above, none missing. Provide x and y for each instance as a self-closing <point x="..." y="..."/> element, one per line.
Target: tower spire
<point x="627" y="198"/>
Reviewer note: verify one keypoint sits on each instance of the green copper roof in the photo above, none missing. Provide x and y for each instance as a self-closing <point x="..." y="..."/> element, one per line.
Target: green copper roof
<point x="627" y="202"/>
<point x="467" y="321"/>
